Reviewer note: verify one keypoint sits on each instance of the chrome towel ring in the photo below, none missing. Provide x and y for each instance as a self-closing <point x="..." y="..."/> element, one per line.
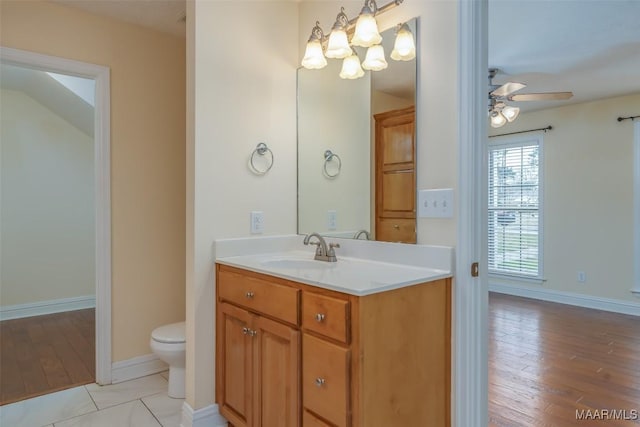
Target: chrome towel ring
<point x="330" y="157"/>
<point x="261" y="150"/>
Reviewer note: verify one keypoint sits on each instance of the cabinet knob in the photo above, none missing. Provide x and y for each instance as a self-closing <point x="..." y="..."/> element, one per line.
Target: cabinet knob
<point x="319" y="317"/>
<point x="396" y="226"/>
<point x="253" y="332"/>
<point x="245" y="330"/>
<point x="320" y="382"/>
<point x="249" y="295"/>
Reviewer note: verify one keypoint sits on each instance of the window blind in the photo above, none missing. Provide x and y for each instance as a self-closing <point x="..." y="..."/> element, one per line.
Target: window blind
<point x="514" y="209"/>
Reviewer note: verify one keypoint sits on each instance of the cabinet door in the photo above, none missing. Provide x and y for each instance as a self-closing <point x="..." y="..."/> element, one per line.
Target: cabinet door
<point x="277" y="374"/>
<point x="235" y="362"/>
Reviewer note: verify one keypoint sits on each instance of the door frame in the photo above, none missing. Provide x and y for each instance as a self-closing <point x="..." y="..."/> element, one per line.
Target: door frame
<point x="471" y="294"/>
<point x="102" y="186"/>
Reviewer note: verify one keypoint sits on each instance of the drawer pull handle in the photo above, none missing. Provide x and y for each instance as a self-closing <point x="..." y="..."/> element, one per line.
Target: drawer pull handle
<point x="319" y="317"/>
<point x="396" y="226"/>
<point x="250" y="332"/>
<point x="250" y="295"/>
<point x="320" y="382"/>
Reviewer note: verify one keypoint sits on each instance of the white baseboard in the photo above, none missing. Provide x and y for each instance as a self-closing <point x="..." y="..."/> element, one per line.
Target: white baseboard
<point x="136" y="367"/>
<point x="209" y="416"/>
<point x="580" y="300"/>
<point x="39" y="308"/>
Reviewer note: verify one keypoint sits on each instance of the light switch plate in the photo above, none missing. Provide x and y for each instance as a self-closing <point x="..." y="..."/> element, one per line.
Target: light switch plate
<point x="437" y="203"/>
<point x="257" y="222"/>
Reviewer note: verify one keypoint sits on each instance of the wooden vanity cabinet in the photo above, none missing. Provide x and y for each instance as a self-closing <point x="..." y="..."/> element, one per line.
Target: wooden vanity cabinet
<point x="345" y="361"/>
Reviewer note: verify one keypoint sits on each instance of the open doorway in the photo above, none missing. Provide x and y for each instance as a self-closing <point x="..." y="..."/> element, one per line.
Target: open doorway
<point x="55" y="224"/>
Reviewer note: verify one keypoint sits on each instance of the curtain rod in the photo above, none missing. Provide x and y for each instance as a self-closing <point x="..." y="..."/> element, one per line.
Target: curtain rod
<point x="524" y="131"/>
<point x="632" y="118"/>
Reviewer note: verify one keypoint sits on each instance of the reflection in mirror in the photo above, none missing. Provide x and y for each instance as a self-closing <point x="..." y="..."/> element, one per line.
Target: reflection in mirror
<point x="337" y="115"/>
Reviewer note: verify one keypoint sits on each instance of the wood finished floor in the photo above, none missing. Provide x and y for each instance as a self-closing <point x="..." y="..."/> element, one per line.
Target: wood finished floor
<point x="548" y="360"/>
<point x="43" y="354"/>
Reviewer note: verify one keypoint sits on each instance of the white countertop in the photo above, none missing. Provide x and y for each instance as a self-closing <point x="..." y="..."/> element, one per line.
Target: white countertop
<point x="355" y="276"/>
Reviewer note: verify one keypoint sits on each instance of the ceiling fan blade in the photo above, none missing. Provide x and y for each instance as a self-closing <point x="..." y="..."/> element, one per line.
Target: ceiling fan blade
<point x="507" y="89"/>
<point x="549" y="96"/>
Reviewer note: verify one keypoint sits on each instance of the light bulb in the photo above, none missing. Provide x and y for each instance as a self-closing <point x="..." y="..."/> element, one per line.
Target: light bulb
<point x="338" y="46"/>
<point x="313" y="57"/>
<point x="366" y="33"/>
<point x="351" y="68"/>
<point x="375" y="60"/>
<point x="497" y="119"/>
<point x="404" y="48"/>
<point x="510" y="113"/>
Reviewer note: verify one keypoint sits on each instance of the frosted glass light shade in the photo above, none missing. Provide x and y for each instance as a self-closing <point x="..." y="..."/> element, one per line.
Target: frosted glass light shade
<point x="375" y="60"/>
<point x="510" y="113"/>
<point x="313" y="57"/>
<point x="497" y="119"/>
<point x="366" y="33"/>
<point x="351" y="68"/>
<point x="338" y="46"/>
<point x="404" y="48"/>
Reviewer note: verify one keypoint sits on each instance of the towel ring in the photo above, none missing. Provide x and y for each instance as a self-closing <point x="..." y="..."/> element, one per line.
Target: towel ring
<point x="261" y="150"/>
<point x="328" y="157"/>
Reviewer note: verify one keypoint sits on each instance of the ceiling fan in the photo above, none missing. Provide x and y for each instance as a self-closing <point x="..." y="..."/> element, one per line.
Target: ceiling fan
<point x="500" y="113"/>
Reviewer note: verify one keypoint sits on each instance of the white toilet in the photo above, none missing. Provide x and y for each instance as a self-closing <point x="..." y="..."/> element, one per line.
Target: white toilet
<point x="168" y="343"/>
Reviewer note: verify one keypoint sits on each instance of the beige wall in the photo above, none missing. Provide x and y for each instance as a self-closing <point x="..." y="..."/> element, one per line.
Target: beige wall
<point x="237" y="100"/>
<point x="147" y="155"/>
<point x="47" y="220"/>
<point x="588" y="195"/>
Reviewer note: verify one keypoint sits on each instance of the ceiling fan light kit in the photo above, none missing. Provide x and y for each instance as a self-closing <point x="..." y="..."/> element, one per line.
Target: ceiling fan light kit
<point x="500" y="113"/>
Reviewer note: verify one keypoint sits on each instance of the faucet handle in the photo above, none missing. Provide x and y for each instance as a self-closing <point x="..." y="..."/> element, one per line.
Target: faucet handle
<point x="319" y="250"/>
<point x="332" y="252"/>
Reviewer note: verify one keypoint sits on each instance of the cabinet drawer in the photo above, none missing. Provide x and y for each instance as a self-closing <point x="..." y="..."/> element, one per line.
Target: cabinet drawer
<point x="310" y="420"/>
<point x="325" y="379"/>
<point x="396" y="230"/>
<point x="326" y="315"/>
<point x="272" y="299"/>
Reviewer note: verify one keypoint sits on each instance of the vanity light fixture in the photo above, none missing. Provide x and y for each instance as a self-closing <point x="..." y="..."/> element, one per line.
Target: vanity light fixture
<point x="365" y="34"/>
<point x="404" y="49"/>
<point x="338" y="46"/>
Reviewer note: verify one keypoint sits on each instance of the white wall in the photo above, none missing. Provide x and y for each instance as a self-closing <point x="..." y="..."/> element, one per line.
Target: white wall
<point x="333" y="114"/>
<point x="47" y="202"/>
<point x="588" y="196"/>
<point x="241" y="91"/>
<point x="244" y="92"/>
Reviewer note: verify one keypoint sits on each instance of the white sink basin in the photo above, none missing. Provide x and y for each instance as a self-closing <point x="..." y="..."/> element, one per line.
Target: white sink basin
<point x="295" y="264"/>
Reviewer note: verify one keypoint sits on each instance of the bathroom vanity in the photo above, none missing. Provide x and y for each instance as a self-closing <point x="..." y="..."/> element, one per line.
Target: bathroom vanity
<point x="359" y="343"/>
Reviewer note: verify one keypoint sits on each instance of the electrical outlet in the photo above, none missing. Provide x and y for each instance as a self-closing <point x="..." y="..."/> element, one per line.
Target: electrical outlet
<point x="257" y="222"/>
<point x="332" y="220"/>
<point x="582" y="277"/>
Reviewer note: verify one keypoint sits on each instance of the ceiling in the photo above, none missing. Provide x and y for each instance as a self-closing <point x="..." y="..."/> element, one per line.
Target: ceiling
<point x="589" y="47"/>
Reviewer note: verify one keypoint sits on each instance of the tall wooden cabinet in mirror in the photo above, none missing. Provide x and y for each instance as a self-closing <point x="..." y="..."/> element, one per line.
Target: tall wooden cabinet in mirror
<point x="338" y="115"/>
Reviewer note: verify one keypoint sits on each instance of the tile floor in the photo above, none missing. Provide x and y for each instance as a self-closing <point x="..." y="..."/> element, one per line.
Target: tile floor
<point x="142" y="402"/>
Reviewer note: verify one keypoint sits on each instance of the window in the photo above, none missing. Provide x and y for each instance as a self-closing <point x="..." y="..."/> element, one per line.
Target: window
<point x="514" y="208"/>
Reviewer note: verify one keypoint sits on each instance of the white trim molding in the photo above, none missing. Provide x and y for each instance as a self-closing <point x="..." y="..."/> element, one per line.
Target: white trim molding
<point x="470" y="322"/>
<point x="102" y="170"/>
<point x="40" y="308"/>
<point x="636" y="209"/>
<point x="137" y="367"/>
<point x="570" y="298"/>
<point x="209" y="416"/>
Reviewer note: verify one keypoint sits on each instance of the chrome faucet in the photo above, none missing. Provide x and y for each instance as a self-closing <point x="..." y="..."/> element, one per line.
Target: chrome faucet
<point x="323" y="253"/>
<point x="367" y="236"/>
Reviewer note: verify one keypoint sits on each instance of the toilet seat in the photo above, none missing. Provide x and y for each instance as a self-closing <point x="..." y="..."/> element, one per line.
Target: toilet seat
<point x="173" y="333"/>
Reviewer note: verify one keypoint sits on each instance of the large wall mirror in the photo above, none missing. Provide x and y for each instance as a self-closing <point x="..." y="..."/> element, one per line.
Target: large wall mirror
<point x="339" y="176"/>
